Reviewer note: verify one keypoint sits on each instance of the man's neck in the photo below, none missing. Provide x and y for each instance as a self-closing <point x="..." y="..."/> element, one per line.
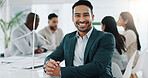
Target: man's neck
<point x="83" y="33"/>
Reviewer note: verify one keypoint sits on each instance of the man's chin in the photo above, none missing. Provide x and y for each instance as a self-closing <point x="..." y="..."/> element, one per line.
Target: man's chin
<point x="83" y="30"/>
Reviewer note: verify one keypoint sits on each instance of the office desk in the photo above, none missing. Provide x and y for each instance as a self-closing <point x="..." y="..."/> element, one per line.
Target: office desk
<point x="20" y="67"/>
<point x="39" y="73"/>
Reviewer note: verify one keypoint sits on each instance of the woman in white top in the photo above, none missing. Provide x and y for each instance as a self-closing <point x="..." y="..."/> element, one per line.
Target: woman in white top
<point x="120" y="58"/>
<point x="132" y="38"/>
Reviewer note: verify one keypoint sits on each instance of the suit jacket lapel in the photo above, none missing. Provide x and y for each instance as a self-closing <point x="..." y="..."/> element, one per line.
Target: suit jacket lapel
<point x="91" y="40"/>
<point x="73" y="41"/>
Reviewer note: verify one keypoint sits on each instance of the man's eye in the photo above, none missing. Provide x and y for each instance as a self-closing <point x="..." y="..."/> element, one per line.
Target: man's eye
<point x="86" y="15"/>
<point x="77" y="15"/>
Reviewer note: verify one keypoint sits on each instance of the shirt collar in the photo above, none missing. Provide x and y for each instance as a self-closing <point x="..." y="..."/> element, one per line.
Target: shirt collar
<point x="87" y="35"/>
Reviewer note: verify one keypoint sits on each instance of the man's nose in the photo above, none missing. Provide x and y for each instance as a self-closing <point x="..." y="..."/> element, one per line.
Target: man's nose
<point x="56" y="23"/>
<point x="81" y="19"/>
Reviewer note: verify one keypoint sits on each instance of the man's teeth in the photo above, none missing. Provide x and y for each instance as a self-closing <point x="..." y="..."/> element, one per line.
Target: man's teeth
<point x="81" y="24"/>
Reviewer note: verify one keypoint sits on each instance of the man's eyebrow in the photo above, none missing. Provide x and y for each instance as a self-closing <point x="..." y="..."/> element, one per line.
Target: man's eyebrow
<point x="86" y="13"/>
<point x="77" y="13"/>
<point x="83" y="13"/>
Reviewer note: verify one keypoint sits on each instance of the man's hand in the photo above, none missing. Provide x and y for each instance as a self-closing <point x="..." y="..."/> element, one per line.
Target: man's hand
<point x="53" y="68"/>
<point x="39" y="50"/>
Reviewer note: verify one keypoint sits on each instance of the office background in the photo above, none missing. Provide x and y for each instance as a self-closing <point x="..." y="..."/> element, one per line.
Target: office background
<point x="63" y="9"/>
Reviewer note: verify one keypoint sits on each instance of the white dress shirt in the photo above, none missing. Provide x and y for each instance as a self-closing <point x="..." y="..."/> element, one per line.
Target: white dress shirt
<point x="80" y="48"/>
<point x="53" y="35"/>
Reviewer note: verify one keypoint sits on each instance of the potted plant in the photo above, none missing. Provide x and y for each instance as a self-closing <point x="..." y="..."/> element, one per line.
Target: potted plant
<point x="8" y="26"/>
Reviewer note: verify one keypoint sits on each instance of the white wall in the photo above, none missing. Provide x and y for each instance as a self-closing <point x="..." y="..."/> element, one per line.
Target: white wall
<point x="102" y="8"/>
<point x="140" y="15"/>
<point x="64" y="11"/>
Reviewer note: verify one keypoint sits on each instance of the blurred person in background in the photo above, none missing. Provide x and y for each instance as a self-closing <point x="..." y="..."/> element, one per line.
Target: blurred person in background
<point x="22" y="45"/>
<point x="131" y="35"/>
<point x="108" y="24"/>
<point x="52" y="33"/>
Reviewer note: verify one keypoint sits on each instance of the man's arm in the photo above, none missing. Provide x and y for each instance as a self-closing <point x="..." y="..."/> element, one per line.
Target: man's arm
<point x="52" y="67"/>
<point x="41" y="44"/>
<point x="58" y="54"/>
<point x="49" y="45"/>
<point x="21" y="44"/>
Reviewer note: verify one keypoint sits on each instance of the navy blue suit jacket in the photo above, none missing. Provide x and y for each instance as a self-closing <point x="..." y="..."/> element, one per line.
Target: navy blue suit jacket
<point x="97" y="58"/>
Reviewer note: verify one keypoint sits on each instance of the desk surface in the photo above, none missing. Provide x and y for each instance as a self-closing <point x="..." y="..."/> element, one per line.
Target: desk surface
<point x="18" y="67"/>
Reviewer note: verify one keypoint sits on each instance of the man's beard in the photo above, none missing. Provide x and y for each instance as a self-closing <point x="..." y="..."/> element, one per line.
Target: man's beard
<point x="87" y="29"/>
<point x="52" y="28"/>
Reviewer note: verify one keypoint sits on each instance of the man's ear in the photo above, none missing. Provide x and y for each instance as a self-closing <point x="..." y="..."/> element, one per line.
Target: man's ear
<point x="48" y="21"/>
<point x="93" y="17"/>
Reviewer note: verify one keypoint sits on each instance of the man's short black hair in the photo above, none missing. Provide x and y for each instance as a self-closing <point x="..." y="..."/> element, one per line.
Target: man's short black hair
<point x="30" y="17"/>
<point x="50" y="16"/>
<point x="83" y="2"/>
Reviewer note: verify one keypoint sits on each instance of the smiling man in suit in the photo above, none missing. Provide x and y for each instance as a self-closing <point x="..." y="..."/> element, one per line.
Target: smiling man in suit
<point x="87" y="52"/>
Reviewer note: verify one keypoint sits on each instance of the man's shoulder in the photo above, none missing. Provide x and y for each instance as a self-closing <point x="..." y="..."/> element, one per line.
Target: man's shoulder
<point x="18" y="29"/>
<point x="98" y="32"/>
<point x="107" y="34"/>
<point x="72" y="34"/>
<point x="59" y="30"/>
<point x="103" y="34"/>
<point x="43" y="29"/>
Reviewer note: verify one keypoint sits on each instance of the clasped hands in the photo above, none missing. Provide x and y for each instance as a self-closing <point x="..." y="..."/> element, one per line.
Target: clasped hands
<point x="53" y="68"/>
<point x="39" y="50"/>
